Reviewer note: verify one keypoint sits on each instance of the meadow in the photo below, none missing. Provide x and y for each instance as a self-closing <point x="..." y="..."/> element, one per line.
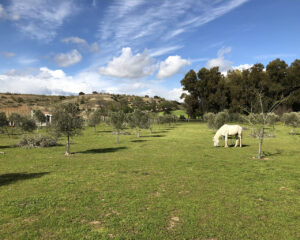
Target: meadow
<point x="172" y="184"/>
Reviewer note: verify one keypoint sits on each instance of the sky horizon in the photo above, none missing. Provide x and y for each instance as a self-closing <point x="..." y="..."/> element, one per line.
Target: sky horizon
<point x="139" y="47"/>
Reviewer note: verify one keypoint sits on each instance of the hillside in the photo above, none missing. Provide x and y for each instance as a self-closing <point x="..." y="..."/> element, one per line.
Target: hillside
<point x="24" y="103"/>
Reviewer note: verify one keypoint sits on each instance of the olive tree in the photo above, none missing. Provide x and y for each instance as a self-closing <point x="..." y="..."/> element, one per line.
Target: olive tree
<point x="3" y="121"/>
<point x="94" y="119"/>
<point x="27" y="124"/>
<point x="138" y="120"/>
<point x="117" y="120"/>
<point x="66" y="120"/>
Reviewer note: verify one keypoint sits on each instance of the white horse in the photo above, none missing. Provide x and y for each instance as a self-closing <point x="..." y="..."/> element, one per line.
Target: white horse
<point x="229" y="130"/>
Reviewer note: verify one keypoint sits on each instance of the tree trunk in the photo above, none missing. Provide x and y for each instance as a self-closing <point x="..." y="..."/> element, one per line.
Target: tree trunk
<point x="117" y="137"/>
<point x="150" y="130"/>
<point x="68" y="146"/>
<point x="95" y="130"/>
<point x="138" y="133"/>
<point x="260" y="142"/>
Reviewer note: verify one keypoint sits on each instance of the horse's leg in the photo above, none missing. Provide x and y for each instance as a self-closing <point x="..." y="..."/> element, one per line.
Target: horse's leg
<point x="236" y="142"/>
<point x="240" y="137"/>
<point x="226" y="140"/>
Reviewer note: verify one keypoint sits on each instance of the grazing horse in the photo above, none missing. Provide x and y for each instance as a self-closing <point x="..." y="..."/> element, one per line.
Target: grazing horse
<point x="229" y="130"/>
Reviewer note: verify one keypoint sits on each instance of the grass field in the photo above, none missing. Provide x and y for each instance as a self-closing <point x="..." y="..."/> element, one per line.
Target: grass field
<point x="172" y="184"/>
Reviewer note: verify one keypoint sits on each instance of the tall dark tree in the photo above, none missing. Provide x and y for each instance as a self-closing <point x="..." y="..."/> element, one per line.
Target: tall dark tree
<point x="191" y="100"/>
<point x="293" y="82"/>
<point x="277" y="71"/>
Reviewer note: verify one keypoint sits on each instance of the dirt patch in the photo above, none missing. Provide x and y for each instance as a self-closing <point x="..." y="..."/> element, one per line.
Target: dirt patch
<point x="173" y="222"/>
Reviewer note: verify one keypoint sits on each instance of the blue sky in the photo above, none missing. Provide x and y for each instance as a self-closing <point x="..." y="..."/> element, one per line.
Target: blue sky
<point x="137" y="46"/>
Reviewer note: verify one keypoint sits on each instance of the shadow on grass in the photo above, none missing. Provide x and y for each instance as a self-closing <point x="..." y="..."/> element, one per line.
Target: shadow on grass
<point x="105" y="131"/>
<point x="232" y="146"/>
<point x="137" y="141"/>
<point x="6" y="179"/>
<point x="103" y="150"/>
<point x="154" y="135"/>
<point x="4" y="147"/>
<point x="162" y="131"/>
<point x="269" y="154"/>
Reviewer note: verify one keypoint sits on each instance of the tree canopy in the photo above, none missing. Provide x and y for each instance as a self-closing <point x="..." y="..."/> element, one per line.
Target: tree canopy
<point x="210" y="91"/>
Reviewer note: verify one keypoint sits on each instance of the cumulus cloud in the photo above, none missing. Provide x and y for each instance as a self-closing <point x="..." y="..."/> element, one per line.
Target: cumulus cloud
<point x="39" y="19"/>
<point x="242" y="67"/>
<point x="223" y="64"/>
<point x="41" y="81"/>
<point x="128" y="65"/>
<point x="171" y="66"/>
<point x="67" y="59"/>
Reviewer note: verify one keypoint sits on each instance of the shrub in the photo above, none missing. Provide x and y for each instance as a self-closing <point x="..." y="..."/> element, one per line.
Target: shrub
<point x="220" y="119"/>
<point x="272" y="118"/>
<point x="291" y="119"/>
<point x="209" y="118"/>
<point x="28" y="124"/>
<point x="37" y="141"/>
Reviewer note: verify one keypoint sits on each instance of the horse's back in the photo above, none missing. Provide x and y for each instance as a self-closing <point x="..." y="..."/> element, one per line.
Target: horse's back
<point x="233" y="129"/>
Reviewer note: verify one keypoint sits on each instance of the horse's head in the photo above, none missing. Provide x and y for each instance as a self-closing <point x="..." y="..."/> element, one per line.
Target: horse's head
<point x="216" y="141"/>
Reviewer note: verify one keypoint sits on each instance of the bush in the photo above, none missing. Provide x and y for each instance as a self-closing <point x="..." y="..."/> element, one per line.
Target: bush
<point x="209" y="118"/>
<point x="37" y="141"/>
<point x="272" y="118"/>
<point x="291" y="119"/>
<point x="28" y="124"/>
<point x="220" y="119"/>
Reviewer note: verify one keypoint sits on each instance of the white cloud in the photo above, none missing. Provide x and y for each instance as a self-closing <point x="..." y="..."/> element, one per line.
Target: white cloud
<point x="128" y="65"/>
<point x="242" y="67"/>
<point x="223" y="64"/>
<point x="57" y="82"/>
<point x="40" y="19"/>
<point x="173" y="94"/>
<point x="164" y="50"/>
<point x="42" y="81"/>
<point x="1" y="11"/>
<point x="171" y="66"/>
<point x="82" y="43"/>
<point x="26" y="60"/>
<point x="8" y="54"/>
<point x="75" y="40"/>
<point x="67" y="59"/>
<point x="135" y="21"/>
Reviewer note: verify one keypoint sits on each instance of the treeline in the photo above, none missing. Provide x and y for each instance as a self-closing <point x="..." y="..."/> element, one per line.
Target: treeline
<point x="210" y="91"/>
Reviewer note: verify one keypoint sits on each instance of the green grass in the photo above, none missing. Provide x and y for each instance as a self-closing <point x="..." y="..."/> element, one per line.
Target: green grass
<point x="171" y="185"/>
<point x="176" y="113"/>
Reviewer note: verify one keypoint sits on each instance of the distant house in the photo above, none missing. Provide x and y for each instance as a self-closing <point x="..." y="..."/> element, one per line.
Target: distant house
<point x="48" y="116"/>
